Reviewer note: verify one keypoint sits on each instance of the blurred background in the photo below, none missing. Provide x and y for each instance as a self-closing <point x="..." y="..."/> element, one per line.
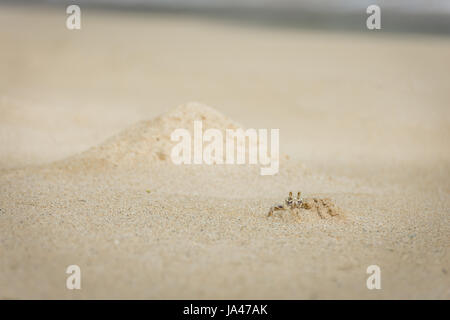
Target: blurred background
<point x="398" y="15"/>
<point x="348" y="100"/>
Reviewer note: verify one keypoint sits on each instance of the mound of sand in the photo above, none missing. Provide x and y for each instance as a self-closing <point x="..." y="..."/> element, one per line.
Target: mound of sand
<point x="323" y="207"/>
<point x="149" y="141"/>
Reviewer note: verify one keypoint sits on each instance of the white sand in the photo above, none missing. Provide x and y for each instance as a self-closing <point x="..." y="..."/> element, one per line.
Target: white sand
<point x="364" y="121"/>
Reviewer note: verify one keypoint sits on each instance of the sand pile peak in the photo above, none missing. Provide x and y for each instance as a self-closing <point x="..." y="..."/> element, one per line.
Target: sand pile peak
<point x="149" y="141"/>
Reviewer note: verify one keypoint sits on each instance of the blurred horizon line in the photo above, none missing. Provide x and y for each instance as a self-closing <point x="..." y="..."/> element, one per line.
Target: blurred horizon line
<point x="399" y="16"/>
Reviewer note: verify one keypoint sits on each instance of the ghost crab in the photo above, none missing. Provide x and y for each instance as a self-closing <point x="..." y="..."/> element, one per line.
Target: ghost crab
<point x="323" y="207"/>
<point x="290" y="203"/>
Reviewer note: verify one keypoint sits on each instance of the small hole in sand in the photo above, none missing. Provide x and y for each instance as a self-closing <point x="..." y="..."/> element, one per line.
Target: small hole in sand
<point x="161" y="156"/>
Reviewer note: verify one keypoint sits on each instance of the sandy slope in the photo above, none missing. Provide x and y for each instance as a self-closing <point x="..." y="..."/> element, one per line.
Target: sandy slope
<point x="85" y="181"/>
<point x="149" y="229"/>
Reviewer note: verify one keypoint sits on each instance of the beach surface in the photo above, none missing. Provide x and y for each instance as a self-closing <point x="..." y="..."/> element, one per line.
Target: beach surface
<point x="86" y="177"/>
